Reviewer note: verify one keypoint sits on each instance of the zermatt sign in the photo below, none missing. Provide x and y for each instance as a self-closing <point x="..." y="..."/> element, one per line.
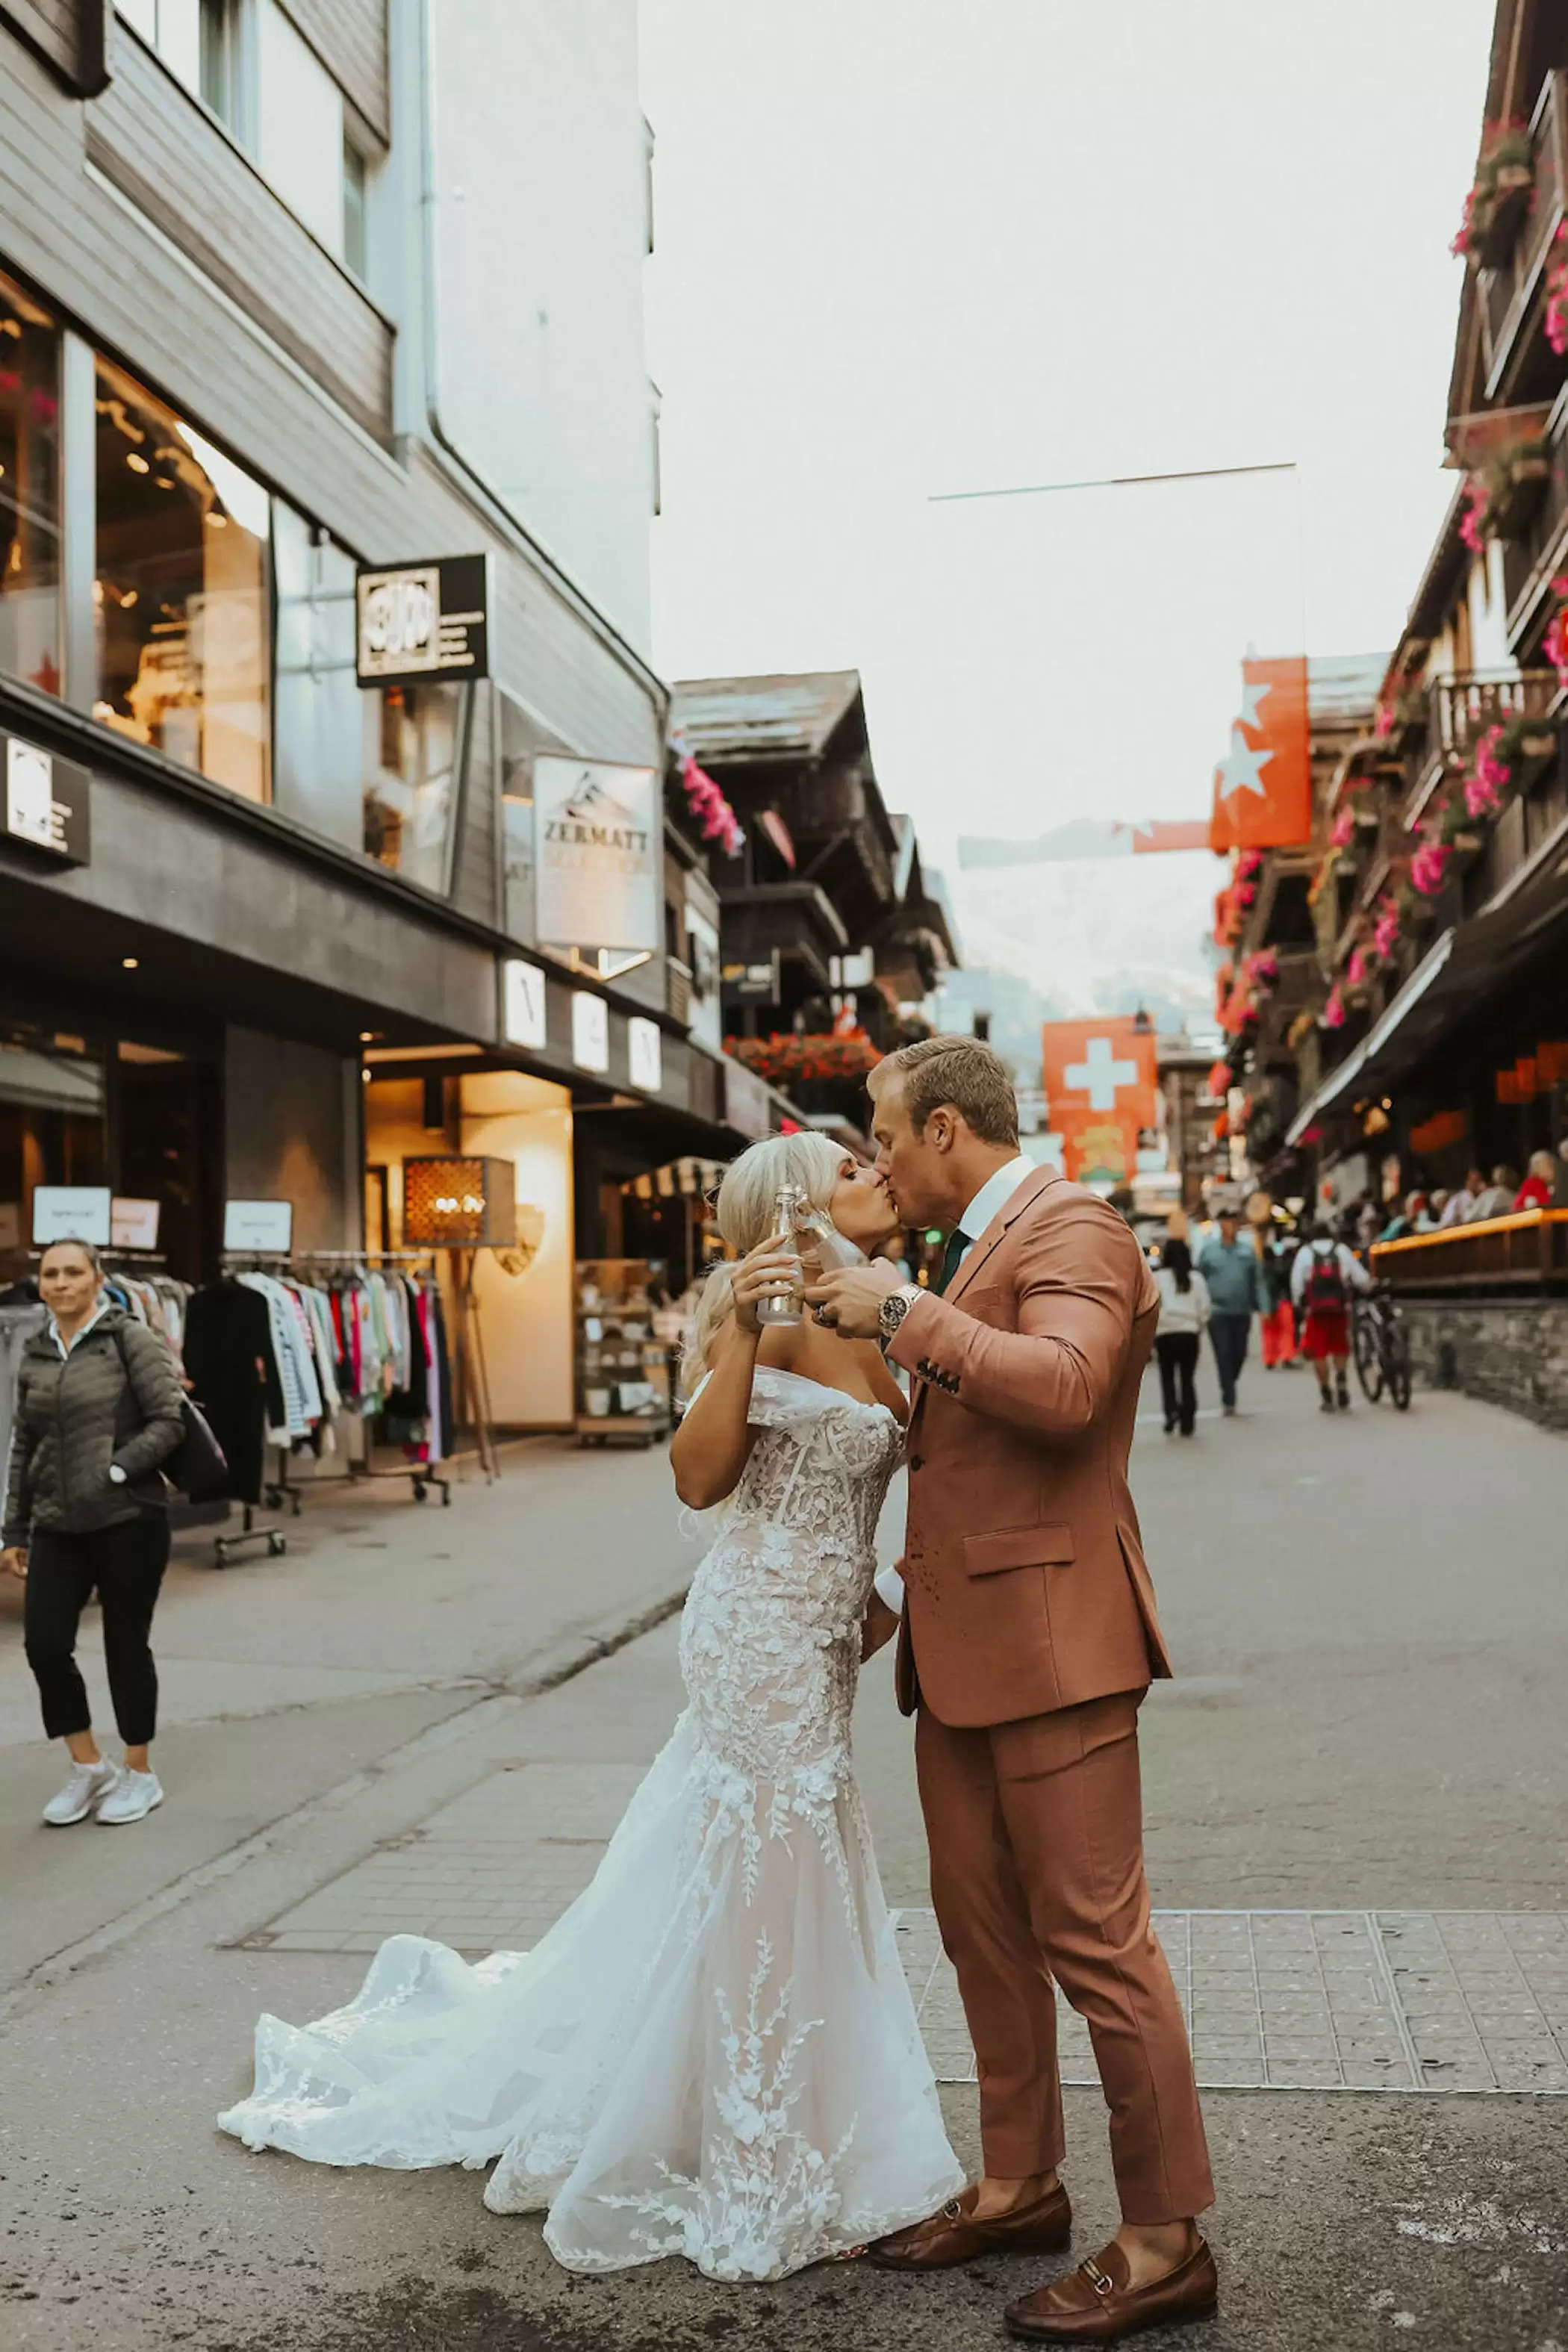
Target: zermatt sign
<point x="598" y="854"/>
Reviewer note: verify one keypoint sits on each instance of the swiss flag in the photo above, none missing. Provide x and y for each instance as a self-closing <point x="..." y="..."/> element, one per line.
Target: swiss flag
<point x="1104" y="1067"/>
<point x="1263" y="786"/>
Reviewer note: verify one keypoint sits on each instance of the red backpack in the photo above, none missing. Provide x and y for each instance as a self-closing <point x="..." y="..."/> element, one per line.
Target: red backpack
<point x="1326" y="1286"/>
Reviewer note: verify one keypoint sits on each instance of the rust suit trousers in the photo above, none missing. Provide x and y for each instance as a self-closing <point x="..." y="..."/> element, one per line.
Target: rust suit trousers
<point x="1037" y="1844"/>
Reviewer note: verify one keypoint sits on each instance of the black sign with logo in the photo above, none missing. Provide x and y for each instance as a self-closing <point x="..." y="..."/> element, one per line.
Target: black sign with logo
<point x="44" y="802"/>
<point x="422" y="621"/>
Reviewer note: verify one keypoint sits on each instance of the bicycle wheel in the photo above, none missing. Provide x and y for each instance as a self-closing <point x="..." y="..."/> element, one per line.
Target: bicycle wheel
<point x="1368" y="1355"/>
<point x="1396" y="1362"/>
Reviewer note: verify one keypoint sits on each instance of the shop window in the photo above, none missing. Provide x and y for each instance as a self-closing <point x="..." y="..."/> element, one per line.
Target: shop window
<point x="29" y="491"/>
<point x="521" y="738"/>
<point x="182" y="593"/>
<point x="319" y="711"/>
<point x="413" y="743"/>
<point x="52" y="1124"/>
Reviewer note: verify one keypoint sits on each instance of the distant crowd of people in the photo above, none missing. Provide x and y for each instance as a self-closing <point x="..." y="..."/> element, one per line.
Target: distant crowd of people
<point x="1300" y="1282"/>
<point x="1503" y="1194"/>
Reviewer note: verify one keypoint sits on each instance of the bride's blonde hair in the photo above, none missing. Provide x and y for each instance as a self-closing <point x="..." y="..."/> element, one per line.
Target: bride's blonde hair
<point x="746" y="1212"/>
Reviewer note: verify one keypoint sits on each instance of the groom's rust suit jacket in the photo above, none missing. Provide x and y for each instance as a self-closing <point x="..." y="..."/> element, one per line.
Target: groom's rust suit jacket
<point x="1026" y="1585"/>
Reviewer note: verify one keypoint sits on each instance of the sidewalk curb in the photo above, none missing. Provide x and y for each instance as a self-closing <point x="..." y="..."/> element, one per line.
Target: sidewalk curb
<point x="560" y="1662"/>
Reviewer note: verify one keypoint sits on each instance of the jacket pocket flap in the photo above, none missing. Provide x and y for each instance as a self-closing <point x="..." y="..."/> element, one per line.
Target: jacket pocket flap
<point x="1017" y="1547"/>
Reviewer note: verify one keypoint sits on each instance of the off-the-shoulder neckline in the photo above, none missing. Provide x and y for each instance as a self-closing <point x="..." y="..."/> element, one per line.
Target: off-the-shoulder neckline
<point x="824" y="1388"/>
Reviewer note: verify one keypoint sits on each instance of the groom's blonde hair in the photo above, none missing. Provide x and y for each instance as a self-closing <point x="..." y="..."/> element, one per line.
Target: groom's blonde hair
<point x="958" y="1071"/>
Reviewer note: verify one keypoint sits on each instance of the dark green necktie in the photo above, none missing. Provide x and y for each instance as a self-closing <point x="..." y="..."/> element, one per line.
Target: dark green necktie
<point x="957" y="1243"/>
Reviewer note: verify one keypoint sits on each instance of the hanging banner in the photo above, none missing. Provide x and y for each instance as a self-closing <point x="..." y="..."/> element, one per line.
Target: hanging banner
<point x="1101" y="1087"/>
<point x="1106" y="1066"/>
<point x="599" y="851"/>
<point x="1263" y="786"/>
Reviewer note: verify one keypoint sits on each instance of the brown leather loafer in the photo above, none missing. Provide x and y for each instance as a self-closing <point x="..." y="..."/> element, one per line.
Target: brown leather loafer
<point x="1096" y="2304"/>
<point x="953" y="2236"/>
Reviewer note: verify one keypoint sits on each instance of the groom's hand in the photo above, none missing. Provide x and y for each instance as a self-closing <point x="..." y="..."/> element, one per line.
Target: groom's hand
<point x="850" y="1300"/>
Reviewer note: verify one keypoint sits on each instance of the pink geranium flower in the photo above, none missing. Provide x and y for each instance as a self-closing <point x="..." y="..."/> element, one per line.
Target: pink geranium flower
<point x="1428" y="867"/>
<point x="1343" y="833"/>
<point x="1334" y="1010"/>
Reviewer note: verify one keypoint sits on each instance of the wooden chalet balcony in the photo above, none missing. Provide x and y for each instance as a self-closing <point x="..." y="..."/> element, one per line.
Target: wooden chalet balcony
<point x="1459" y="711"/>
<point x="1505" y="1254"/>
<point x="796" y="920"/>
<point x="1508" y="293"/>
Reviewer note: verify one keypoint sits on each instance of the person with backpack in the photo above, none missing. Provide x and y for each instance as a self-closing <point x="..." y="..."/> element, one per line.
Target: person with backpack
<point x="1324" y="1275"/>
<point x="99" y="1409"/>
<point x="1183" y="1315"/>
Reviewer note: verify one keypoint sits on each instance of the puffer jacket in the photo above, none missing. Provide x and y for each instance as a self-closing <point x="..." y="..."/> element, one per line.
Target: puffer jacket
<point x="113" y="1399"/>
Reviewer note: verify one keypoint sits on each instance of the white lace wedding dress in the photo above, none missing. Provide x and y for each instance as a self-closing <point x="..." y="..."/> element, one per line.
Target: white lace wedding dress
<point x="713" y="2052"/>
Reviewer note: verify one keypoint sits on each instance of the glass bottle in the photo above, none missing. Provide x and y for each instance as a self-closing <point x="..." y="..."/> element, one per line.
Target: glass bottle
<point x="788" y="1306"/>
<point x="821" y="1241"/>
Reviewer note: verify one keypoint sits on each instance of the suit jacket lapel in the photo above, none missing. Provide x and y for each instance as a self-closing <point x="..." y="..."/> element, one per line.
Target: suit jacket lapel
<point x="1027" y="1193"/>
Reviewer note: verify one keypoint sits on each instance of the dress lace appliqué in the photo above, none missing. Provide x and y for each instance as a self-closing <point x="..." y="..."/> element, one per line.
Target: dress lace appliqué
<point x="713" y="2052"/>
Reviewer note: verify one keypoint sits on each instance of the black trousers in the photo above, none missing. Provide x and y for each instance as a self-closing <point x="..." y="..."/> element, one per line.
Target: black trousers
<point x="1228" y="1335"/>
<point x="126" y="1562"/>
<point x="1177" y="1352"/>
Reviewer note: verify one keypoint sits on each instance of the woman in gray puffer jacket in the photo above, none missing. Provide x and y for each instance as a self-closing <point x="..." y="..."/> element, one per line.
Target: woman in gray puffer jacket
<point x="98" y="1409"/>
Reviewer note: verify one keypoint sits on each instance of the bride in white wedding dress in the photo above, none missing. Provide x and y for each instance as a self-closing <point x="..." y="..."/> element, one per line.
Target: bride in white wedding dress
<point x="713" y="2052"/>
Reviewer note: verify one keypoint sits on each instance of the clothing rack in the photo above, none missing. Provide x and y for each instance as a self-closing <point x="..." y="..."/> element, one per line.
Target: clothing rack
<point x="467" y="1359"/>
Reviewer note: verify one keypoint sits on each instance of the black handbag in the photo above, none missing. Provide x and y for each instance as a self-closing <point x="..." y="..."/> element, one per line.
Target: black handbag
<point x="198" y="1466"/>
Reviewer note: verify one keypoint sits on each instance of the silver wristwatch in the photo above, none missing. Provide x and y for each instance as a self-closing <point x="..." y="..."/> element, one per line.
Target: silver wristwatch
<point x="893" y="1309"/>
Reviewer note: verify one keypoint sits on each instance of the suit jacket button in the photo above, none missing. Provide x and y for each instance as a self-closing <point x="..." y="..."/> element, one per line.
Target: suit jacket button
<point x="916" y="1462"/>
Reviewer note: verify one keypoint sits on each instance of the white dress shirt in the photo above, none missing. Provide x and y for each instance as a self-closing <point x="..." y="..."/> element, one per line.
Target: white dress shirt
<point x="989" y="1202"/>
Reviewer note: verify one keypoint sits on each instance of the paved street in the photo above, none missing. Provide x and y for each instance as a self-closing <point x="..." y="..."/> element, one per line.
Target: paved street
<point x="1363" y="1752"/>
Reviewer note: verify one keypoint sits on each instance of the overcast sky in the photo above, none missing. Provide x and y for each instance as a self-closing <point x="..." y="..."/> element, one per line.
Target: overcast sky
<point x="905" y="248"/>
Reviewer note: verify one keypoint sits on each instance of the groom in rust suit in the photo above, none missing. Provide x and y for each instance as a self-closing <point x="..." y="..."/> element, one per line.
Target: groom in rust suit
<point x="1029" y="1639"/>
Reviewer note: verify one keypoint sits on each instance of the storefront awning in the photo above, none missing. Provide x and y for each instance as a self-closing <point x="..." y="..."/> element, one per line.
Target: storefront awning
<point x="1468" y="964"/>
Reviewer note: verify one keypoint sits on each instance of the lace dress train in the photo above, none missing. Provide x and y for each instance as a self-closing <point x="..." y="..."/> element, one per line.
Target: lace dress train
<point x="713" y="2052"/>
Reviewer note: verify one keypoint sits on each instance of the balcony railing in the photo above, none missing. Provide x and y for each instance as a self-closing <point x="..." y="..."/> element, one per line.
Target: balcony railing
<point x="1528" y="1252"/>
<point x="1509" y="292"/>
<point x="1460" y="710"/>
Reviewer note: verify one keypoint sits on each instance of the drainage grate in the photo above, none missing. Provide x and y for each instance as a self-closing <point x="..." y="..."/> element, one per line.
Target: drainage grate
<point x="1324" y="2000"/>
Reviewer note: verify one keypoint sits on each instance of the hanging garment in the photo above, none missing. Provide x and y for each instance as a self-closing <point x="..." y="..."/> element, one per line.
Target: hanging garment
<point x="234" y="1376"/>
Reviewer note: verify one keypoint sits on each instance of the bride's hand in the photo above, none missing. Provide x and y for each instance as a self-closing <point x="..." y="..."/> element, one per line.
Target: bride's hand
<point x="770" y="1271"/>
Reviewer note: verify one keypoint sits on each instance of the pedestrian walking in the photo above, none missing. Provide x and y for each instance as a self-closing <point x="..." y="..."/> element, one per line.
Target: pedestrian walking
<point x="98" y="1408"/>
<point x="1278" y="1326"/>
<point x="1324" y="1275"/>
<point x="1229" y="1265"/>
<point x="1183" y="1315"/>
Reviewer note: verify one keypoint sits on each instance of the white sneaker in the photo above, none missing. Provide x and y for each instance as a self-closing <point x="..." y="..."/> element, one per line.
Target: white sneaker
<point x="132" y="1798"/>
<point x="87" y="1783"/>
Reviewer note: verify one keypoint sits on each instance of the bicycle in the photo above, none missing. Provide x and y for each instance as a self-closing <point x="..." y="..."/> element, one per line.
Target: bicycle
<point x="1381" y="1344"/>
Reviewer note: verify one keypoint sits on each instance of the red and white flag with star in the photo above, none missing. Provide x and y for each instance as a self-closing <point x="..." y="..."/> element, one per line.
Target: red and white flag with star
<point x="1263" y="786"/>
